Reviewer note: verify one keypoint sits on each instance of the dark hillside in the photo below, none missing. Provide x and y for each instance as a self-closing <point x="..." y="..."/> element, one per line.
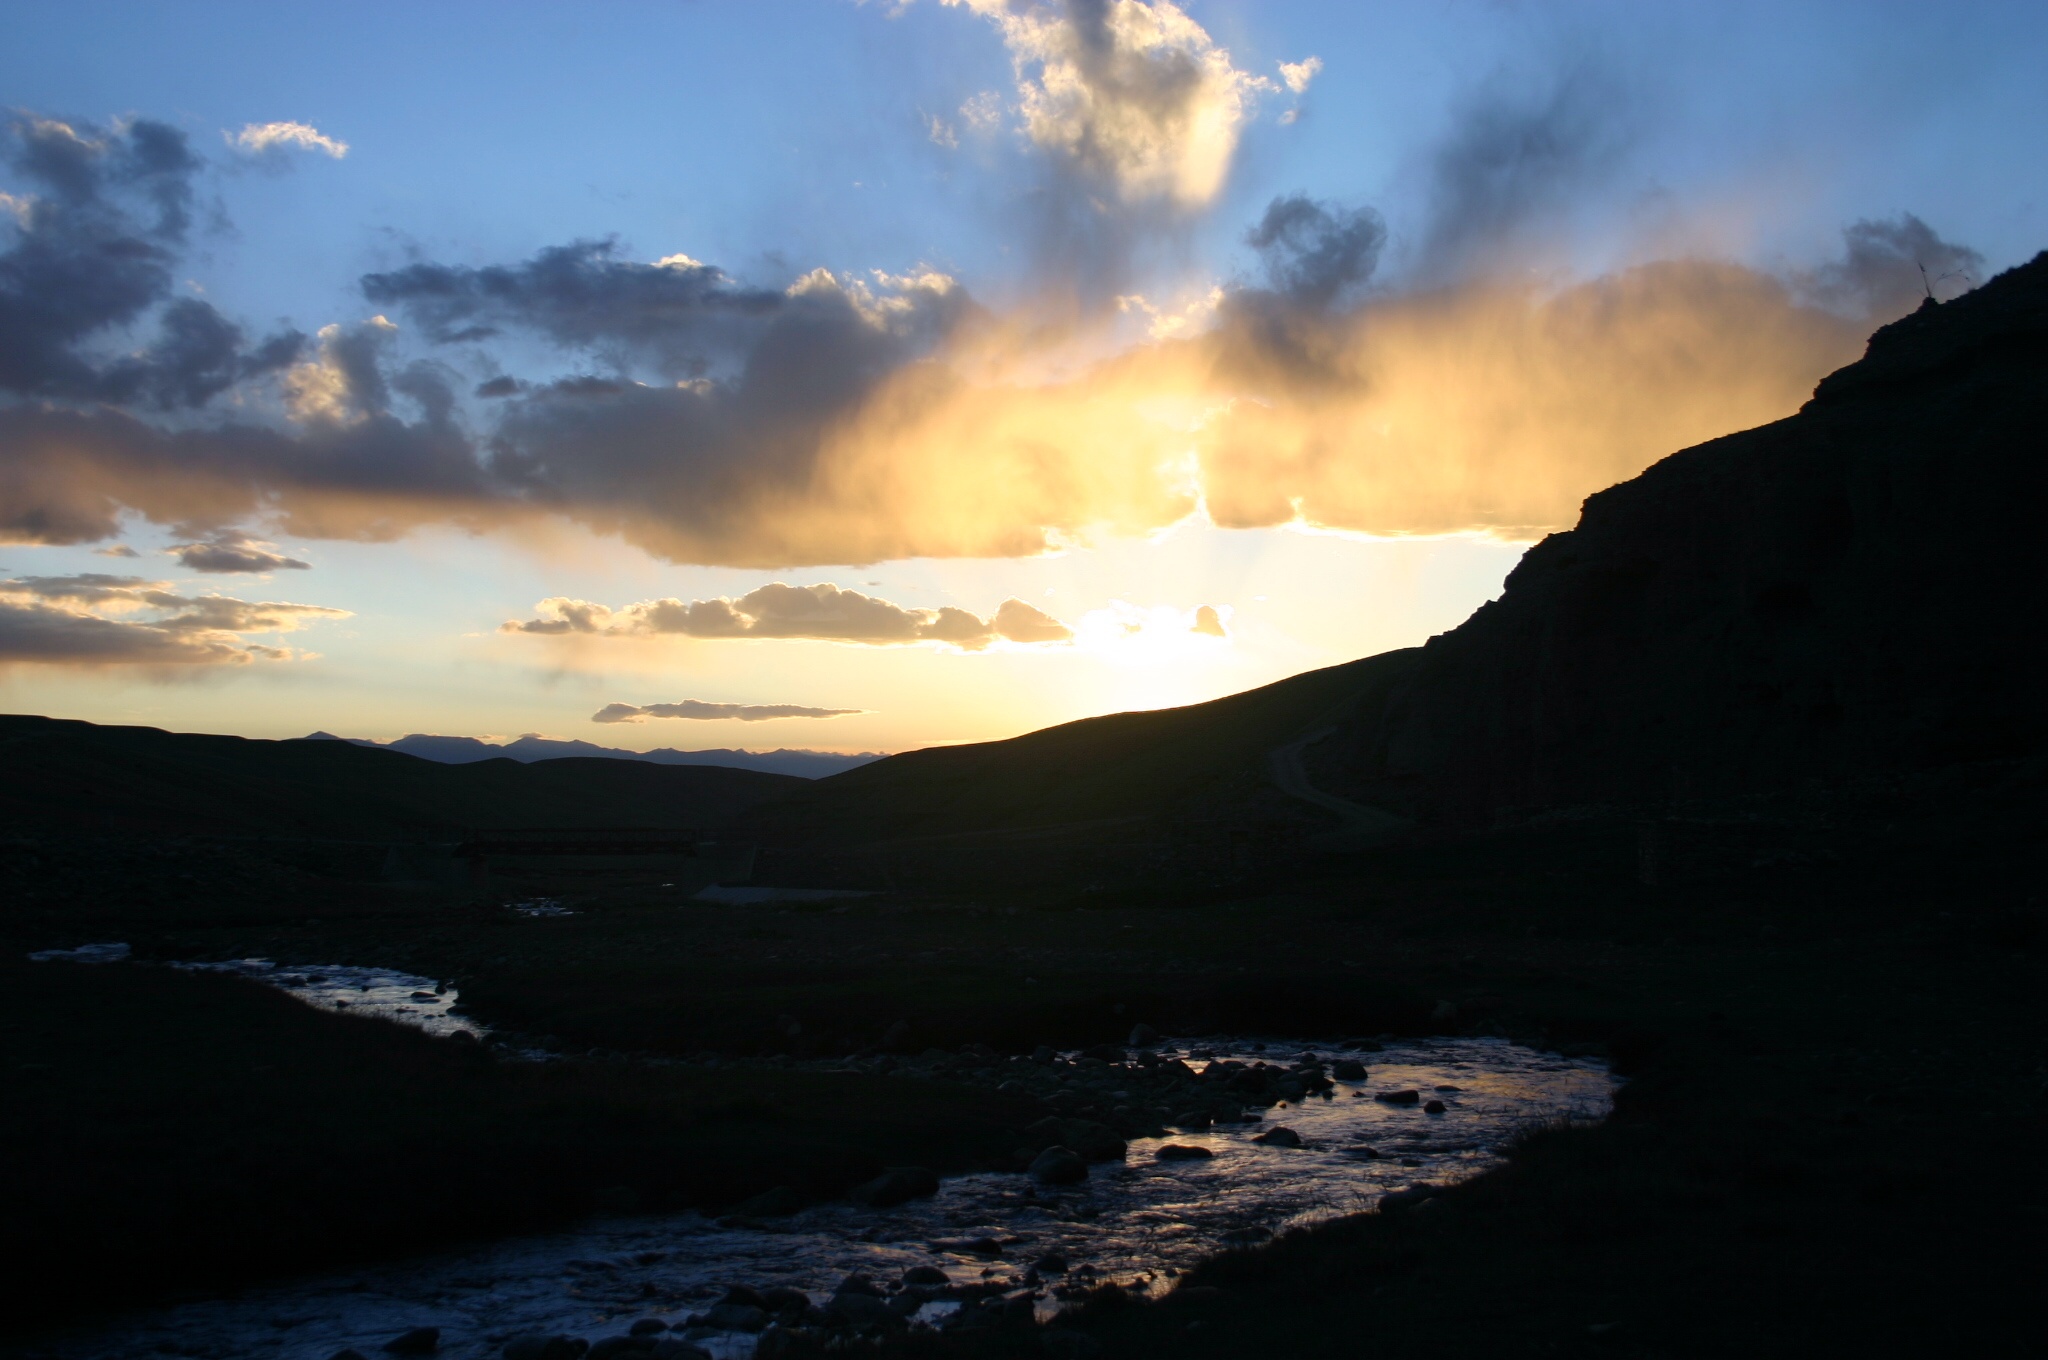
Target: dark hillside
<point x="1203" y="758"/>
<point x="1852" y="592"/>
<point x="1848" y="593"/>
<point x="76" y="776"/>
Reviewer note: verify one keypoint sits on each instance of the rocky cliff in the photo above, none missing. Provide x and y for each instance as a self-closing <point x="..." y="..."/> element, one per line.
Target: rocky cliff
<point x="1853" y="591"/>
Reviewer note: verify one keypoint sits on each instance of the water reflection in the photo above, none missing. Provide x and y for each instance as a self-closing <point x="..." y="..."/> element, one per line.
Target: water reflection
<point x="383" y="993"/>
<point x="1140" y="1222"/>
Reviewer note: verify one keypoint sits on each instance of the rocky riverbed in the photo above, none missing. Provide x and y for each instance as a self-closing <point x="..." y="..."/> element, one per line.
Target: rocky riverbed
<point x="1150" y="1156"/>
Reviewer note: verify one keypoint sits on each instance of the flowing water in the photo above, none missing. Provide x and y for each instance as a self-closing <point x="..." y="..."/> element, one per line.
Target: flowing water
<point x="1140" y="1222"/>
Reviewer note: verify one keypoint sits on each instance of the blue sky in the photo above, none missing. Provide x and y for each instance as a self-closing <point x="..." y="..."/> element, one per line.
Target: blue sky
<point x="1065" y="384"/>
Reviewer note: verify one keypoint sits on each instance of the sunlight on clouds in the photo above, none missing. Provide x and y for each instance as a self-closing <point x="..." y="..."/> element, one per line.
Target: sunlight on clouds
<point x="1296" y="75"/>
<point x="94" y="619"/>
<point x="1137" y="93"/>
<point x="331" y="387"/>
<point x="257" y="139"/>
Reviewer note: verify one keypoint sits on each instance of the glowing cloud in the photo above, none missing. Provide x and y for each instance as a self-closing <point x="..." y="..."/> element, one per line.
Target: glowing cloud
<point x="94" y="619"/>
<point x="820" y="612"/>
<point x="1135" y="93"/>
<point x="259" y="139"/>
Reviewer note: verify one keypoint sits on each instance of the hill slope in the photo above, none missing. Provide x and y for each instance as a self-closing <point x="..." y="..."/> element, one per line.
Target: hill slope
<point x="1204" y="758"/>
<point x="1847" y="592"/>
<point x="1851" y="592"/>
<point x="82" y="777"/>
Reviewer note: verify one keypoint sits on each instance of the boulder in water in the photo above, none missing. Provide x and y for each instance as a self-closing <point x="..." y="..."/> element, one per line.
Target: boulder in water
<point x="785" y="1299"/>
<point x="1059" y="1166"/>
<point x="1399" y="1097"/>
<point x="1182" y="1152"/>
<point x="736" y="1317"/>
<point x="1279" y="1136"/>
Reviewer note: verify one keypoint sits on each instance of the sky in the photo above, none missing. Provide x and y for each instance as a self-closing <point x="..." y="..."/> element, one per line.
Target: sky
<point x="861" y="377"/>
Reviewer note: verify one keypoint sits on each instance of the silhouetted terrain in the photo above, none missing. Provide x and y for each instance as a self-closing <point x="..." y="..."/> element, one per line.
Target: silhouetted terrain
<point x="1847" y="593"/>
<point x="81" y="777"/>
<point x="1807" y="647"/>
<point x="530" y="748"/>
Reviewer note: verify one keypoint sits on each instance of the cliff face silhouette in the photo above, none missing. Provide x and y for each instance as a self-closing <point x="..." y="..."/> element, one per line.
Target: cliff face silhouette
<point x="1854" y="591"/>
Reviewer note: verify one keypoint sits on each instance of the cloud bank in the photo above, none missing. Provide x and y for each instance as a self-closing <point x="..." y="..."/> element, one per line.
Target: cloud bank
<point x="845" y="420"/>
<point x="95" y="619"/>
<point x="710" y="712"/>
<point x="820" y="612"/>
<point x="231" y="551"/>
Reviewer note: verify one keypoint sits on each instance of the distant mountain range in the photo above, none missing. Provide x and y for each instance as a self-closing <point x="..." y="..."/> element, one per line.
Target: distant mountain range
<point x="529" y="748"/>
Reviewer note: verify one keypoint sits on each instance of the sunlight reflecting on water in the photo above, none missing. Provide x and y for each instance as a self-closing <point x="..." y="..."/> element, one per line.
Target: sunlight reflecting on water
<point x="1139" y="1222"/>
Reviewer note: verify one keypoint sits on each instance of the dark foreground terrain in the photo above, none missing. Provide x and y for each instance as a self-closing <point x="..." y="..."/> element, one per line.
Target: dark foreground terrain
<point x="1829" y="1142"/>
<point x="1742" y="784"/>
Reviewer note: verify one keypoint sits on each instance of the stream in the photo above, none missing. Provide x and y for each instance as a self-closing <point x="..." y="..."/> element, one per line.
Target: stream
<point x="1139" y="1223"/>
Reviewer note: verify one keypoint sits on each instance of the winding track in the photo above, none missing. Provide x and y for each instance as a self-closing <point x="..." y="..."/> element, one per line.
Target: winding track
<point x="1284" y="765"/>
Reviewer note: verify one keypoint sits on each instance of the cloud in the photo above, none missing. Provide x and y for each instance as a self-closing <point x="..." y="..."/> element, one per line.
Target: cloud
<point x="262" y="139"/>
<point x="1134" y="94"/>
<point x="678" y="313"/>
<point x="230" y="550"/>
<point x="820" y="612"/>
<point x="842" y="420"/>
<point x="95" y="619"/>
<point x="1208" y="622"/>
<point x="1296" y="75"/>
<point x="1889" y="266"/>
<point x="93" y="257"/>
<point x="1520" y="152"/>
<point x="1313" y="251"/>
<point x="1020" y="622"/>
<point x="709" y="712"/>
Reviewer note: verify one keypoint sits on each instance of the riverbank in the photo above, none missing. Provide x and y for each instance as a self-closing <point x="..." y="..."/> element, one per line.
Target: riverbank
<point x="1829" y="1140"/>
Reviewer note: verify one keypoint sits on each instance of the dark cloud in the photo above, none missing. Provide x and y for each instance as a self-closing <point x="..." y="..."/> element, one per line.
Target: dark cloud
<point x="233" y="551"/>
<point x="1889" y="266"/>
<point x="820" y="612"/>
<point x="841" y="421"/>
<point x="1209" y="622"/>
<point x="93" y="255"/>
<point x="1518" y="152"/>
<point x="703" y="711"/>
<point x="679" y="315"/>
<point x="1314" y="251"/>
<point x="97" y="619"/>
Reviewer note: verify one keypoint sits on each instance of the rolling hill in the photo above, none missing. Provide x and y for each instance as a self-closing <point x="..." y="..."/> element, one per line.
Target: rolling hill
<point x="77" y="776"/>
